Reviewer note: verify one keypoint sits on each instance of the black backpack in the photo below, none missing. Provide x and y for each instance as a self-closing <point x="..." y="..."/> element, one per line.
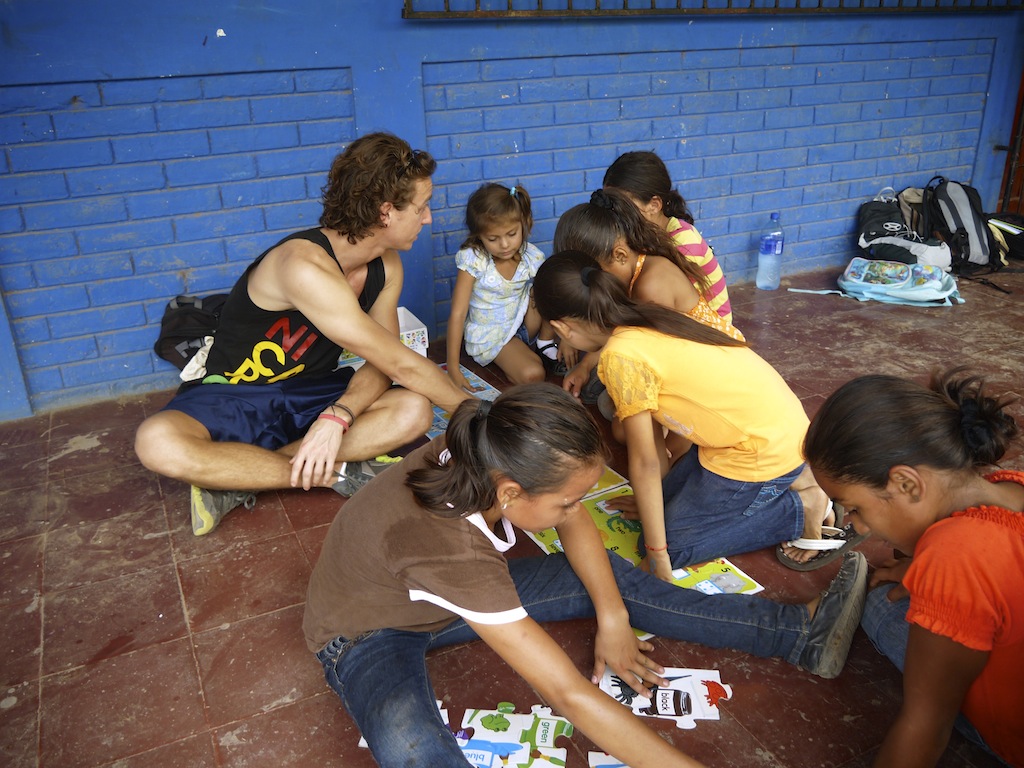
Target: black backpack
<point x="885" y="236"/>
<point x="186" y="322"/>
<point x="953" y="211"/>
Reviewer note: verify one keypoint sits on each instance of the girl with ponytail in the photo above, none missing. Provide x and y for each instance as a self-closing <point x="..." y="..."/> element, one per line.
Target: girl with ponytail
<point x="908" y="463"/>
<point x="491" y="311"/>
<point x="644" y="179"/>
<point x="611" y="230"/>
<point x="741" y="484"/>
<point x="415" y="561"/>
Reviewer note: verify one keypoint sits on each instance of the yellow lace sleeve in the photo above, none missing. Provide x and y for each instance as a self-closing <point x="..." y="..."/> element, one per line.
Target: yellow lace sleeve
<point x="632" y="385"/>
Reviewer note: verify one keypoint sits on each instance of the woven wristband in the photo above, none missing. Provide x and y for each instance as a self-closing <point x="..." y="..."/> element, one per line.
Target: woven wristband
<point x="656" y="549"/>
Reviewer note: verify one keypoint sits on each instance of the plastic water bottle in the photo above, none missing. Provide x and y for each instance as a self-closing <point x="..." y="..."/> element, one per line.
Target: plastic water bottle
<point x="769" y="255"/>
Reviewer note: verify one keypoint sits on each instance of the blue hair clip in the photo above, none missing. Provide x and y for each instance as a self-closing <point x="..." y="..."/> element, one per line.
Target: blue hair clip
<point x="512" y="191"/>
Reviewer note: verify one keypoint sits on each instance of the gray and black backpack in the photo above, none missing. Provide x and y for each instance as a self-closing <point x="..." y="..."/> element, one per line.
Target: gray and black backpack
<point x="953" y="212"/>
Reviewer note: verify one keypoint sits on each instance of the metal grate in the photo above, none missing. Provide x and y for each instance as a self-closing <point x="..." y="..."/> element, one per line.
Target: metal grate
<point x="532" y="9"/>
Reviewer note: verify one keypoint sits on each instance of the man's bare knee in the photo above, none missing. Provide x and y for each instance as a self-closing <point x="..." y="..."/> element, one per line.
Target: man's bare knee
<point x="161" y="442"/>
<point x="419" y="414"/>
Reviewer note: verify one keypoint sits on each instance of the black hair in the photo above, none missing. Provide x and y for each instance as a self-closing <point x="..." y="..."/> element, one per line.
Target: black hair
<point x="571" y="284"/>
<point x="595" y="227"/>
<point x="374" y="169"/>
<point x="873" y="423"/>
<point x="643" y="175"/>
<point x="494" y="204"/>
<point x="534" y="434"/>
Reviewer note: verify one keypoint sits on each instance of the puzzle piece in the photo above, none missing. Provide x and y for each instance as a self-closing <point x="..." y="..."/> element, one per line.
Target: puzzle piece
<point x="691" y="695"/>
<point x="539" y="729"/>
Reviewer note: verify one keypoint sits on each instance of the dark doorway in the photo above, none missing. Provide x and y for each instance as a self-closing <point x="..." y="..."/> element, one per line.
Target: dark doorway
<point x="1012" y="199"/>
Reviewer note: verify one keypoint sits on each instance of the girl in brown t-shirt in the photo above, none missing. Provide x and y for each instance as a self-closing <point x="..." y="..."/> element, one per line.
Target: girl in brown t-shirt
<point x="415" y="561"/>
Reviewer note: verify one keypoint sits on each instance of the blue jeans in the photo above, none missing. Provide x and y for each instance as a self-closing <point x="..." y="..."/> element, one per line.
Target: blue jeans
<point x="382" y="678"/>
<point x="709" y="516"/>
<point x="886" y="624"/>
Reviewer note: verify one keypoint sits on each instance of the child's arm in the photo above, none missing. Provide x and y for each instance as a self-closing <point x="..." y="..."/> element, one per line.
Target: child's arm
<point x="616" y="644"/>
<point x="464" y="283"/>
<point x="577" y="377"/>
<point x="531" y="652"/>
<point x="937" y="673"/>
<point x="648" y="463"/>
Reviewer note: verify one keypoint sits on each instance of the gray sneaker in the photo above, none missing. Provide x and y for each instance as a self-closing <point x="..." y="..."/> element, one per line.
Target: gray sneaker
<point x="209" y="507"/>
<point x="355" y="474"/>
<point x="836" y="619"/>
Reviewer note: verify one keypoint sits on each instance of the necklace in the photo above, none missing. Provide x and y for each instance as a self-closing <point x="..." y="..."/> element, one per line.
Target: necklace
<point x="636" y="271"/>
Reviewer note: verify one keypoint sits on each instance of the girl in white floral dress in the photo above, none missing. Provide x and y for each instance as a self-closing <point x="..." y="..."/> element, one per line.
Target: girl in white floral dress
<point x="491" y="307"/>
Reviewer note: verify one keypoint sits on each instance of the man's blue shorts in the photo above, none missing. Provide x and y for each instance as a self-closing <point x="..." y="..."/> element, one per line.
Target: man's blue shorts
<point x="265" y="415"/>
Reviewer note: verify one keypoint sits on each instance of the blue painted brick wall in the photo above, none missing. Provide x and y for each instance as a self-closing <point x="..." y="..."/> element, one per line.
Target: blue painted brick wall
<point x="803" y="130"/>
<point x="116" y="196"/>
<point x="133" y="178"/>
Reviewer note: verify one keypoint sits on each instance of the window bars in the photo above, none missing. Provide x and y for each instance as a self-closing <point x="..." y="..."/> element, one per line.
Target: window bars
<point x="532" y="9"/>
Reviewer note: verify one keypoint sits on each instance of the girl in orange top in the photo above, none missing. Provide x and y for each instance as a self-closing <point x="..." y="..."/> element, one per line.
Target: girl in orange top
<point x="903" y="460"/>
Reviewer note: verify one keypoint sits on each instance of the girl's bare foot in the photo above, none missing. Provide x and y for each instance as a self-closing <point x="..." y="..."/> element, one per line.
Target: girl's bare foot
<point x="817" y="513"/>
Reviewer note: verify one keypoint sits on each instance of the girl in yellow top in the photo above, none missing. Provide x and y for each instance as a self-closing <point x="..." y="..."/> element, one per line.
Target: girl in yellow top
<point x="743" y="485"/>
<point x="611" y="230"/>
<point x="644" y="179"/>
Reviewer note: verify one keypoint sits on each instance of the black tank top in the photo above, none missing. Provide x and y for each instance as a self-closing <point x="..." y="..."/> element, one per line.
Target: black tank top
<point x="257" y="346"/>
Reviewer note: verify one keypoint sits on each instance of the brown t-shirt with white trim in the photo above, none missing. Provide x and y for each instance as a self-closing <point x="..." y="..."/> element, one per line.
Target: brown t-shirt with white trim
<point x="389" y="563"/>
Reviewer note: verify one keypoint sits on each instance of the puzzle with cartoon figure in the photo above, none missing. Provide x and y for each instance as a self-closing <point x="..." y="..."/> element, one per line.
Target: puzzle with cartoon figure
<point x="691" y="695"/>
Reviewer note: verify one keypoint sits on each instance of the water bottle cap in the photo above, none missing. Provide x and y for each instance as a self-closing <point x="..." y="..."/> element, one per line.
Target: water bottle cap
<point x="775" y="217"/>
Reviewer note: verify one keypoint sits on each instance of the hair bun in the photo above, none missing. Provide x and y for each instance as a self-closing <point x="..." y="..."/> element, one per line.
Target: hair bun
<point x="601" y="199"/>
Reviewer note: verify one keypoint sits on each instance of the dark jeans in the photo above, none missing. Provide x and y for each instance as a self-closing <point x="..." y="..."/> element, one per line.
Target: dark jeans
<point x="382" y="676"/>
<point x="709" y="516"/>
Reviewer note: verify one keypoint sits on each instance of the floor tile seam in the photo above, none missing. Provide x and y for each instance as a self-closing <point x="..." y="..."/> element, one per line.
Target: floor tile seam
<point x="233" y="546"/>
<point x="222" y="628"/>
<point x="78" y="668"/>
<point x="190" y="635"/>
<point x="73" y="475"/>
<point x="765" y="748"/>
<point x="46" y="593"/>
<point x="51" y="588"/>
<point x="121" y="760"/>
<point x="276" y="710"/>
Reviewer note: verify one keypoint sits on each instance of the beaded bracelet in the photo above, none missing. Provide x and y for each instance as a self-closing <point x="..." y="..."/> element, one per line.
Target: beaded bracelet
<point x="656" y="549"/>
<point x="331" y="417"/>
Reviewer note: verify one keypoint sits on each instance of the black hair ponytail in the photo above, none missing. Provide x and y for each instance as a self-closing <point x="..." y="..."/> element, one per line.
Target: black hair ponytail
<point x="874" y="423"/>
<point x="535" y="434"/>
<point x="570" y="284"/>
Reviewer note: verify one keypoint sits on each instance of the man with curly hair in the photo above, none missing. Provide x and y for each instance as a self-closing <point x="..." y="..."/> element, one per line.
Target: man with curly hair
<point x="273" y="411"/>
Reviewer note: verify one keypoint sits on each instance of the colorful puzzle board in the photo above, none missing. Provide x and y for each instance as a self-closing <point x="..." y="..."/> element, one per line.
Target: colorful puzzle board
<point x="485" y="392"/>
<point x="622" y="537"/>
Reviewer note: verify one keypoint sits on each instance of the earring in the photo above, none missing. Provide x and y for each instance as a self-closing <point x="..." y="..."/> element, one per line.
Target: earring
<point x="504" y="507"/>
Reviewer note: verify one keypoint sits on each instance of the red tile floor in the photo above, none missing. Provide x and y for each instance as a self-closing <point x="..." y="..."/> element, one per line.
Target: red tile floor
<point x="128" y="642"/>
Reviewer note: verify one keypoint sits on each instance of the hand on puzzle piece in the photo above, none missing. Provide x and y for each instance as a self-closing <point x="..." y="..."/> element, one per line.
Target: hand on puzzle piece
<point x="689" y="695"/>
<point x="460" y="381"/>
<point x="624" y="504"/>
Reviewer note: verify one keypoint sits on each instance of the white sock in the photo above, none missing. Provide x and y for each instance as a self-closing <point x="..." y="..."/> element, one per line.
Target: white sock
<point x="548" y="348"/>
